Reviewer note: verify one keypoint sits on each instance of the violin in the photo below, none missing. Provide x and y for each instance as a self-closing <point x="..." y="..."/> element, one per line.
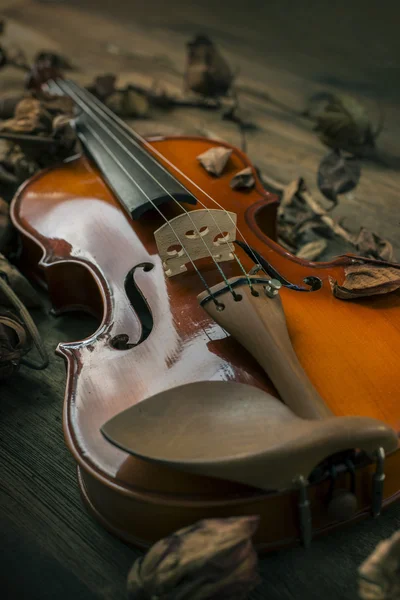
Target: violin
<point x="224" y="377"/>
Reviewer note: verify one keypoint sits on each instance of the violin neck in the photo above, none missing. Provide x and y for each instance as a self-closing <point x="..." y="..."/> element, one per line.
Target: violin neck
<point x="138" y="180"/>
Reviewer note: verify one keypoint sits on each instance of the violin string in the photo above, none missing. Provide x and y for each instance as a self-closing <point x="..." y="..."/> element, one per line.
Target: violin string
<point x="130" y="134"/>
<point x="138" y="141"/>
<point x="79" y="100"/>
<point x="155" y="206"/>
<point x="100" y="108"/>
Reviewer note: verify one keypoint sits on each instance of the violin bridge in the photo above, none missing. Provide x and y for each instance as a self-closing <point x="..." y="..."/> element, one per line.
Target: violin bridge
<point x="193" y="235"/>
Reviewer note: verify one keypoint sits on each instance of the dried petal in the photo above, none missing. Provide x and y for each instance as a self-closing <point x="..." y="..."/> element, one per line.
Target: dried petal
<point x="21" y="286"/>
<point x="243" y="179"/>
<point x="370" y="244"/>
<point x="103" y="86"/>
<point x="136" y="105"/>
<point x="56" y="105"/>
<point x="379" y="577"/>
<point x="301" y="218"/>
<point x="115" y="102"/>
<point x="30" y="117"/>
<point x="343" y="123"/>
<point x="128" y="104"/>
<point x="338" y="174"/>
<point x="289" y="193"/>
<point x="311" y="227"/>
<point x="211" y="560"/>
<point x="215" y="159"/>
<point x="367" y="280"/>
<point x="207" y="72"/>
<point x="312" y="250"/>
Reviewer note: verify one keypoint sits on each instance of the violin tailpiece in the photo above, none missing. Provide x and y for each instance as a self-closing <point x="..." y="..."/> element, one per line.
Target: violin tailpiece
<point x="254" y="316"/>
<point x="199" y="234"/>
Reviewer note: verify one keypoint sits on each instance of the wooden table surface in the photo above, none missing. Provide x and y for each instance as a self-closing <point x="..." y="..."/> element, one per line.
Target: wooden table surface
<point x="50" y="547"/>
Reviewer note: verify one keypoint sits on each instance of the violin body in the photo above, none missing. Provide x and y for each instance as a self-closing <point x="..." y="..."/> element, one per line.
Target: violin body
<point x="79" y="241"/>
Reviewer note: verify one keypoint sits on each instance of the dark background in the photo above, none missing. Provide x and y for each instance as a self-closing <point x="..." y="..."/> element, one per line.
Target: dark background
<point x="352" y="43"/>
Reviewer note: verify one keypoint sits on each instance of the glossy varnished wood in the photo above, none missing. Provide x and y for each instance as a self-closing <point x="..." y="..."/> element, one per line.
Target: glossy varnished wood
<point x="258" y="323"/>
<point x="87" y="245"/>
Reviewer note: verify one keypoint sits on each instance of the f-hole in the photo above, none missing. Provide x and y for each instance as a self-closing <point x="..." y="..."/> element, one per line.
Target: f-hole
<point x="139" y="304"/>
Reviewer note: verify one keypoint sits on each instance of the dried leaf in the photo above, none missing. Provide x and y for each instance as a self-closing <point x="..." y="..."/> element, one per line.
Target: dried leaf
<point x="289" y="193"/>
<point x="302" y="219"/>
<point x="243" y="180"/>
<point x="21" y="286"/>
<point x="371" y="245"/>
<point x="40" y="134"/>
<point x="312" y="250"/>
<point x="211" y="560"/>
<point x="103" y="86"/>
<point x="311" y="227"/>
<point x="366" y="280"/>
<point x="128" y="104"/>
<point x="338" y="174"/>
<point x="30" y="117"/>
<point x="343" y="123"/>
<point x="215" y="159"/>
<point x="56" y="105"/>
<point x="207" y="72"/>
<point x="379" y="577"/>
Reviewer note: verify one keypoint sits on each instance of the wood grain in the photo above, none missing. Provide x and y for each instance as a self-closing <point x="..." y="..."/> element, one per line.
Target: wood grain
<point x="259" y="324"/>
